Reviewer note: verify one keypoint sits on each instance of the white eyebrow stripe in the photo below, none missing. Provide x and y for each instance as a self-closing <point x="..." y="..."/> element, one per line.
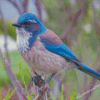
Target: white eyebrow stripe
<point x="33" y="21"/>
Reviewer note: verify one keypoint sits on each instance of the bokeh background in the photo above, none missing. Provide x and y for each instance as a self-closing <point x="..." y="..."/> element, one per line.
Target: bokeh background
<point x="76" y="22"/>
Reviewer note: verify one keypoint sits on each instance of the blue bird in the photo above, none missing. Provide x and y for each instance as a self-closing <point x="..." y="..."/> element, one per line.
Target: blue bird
<point x="43" y="50"/>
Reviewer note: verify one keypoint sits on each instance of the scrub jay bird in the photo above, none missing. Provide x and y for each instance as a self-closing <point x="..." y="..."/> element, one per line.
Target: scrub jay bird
<point x="43" y="50"/>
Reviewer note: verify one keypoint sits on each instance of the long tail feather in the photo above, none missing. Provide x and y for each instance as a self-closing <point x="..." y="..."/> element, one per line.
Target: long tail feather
<point x="90" y="71"/>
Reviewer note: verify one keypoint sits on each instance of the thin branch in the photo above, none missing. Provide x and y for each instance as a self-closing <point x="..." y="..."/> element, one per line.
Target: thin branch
<point x="38" y="6"/>
<point x="58" y="84"/>
<point x="43" y="91"/>
<point x="16" y="5"/>
<point x="63" y="25"/>
<point x="5" y="35"/>
<point x="22" y="8"/>
<point x="73" y="23"/>
<point x="25" y="5"/>
<point x="68" y="13"/>
<point x="13" y="78"/>
<point x="96" y="23"/>
<point x="61" y="21"/>
<point x="66" y="92"/>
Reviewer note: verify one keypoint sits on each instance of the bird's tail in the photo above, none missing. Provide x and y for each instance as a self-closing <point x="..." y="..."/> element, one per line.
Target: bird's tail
<point x="90" y="71"/>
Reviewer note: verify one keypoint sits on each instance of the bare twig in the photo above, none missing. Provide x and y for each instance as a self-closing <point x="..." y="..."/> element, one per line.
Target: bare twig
<point x="22" y="8"/>
<point x="16" y="5"/>
<point x="58" y="84"/>
<point x="5" y="35"/>
<point x="25" y="5"/>
<point x="73" y="23"/>
<point x="63" y="25"/>
<point x="68" y="12"/>
<point x="66" y="92"/>
<point x="42" y="97"/>
<point x="96" y="23"/>
<point x="13" y="78"/>
<point x="38" y="6"/>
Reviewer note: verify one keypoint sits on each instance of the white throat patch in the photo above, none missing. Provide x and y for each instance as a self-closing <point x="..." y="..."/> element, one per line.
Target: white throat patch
<point x="22" y="39"/>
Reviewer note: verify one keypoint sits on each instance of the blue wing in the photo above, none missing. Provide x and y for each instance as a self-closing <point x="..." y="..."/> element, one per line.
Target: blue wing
<point x="63" y="50"/>
<point x="60" y="49"/>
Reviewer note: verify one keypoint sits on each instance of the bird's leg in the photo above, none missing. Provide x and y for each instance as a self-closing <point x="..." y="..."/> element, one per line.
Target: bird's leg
<point x="50" y="78"/>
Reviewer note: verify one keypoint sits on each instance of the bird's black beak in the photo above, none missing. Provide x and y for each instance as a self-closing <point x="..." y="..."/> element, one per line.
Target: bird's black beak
<point x="16" y="24"/>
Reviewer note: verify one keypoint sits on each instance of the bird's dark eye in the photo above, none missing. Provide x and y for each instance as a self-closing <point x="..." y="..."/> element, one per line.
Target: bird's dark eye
<point x="27" y="24"/>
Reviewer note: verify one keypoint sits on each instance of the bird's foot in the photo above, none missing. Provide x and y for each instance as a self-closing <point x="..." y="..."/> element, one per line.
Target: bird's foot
<point x="45" y="84"/>
<point x="42" y="84"/>
<point x="38" y="81"/>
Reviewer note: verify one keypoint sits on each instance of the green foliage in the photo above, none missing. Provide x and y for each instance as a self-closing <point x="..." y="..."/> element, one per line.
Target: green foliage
<point x="98" y="10"/>
<point x="87" y="6"/>
<point x="73" y="96"/>
<point x="67" y="4"/>
<point x="22" y="76"/>
<point x="8" y="96"/>
<point x="52" y="4"/>
<point x="52" y="96"/>
<point x="10" y="29"/>
<point x="29" y="96"/>
<point x="55" y="13"/>
<point x="15" y="61"/>
<point x="62" y="93"/>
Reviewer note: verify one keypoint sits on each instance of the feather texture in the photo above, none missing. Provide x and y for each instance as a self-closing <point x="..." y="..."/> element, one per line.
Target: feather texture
<point x="53" y="43"/>
<point x="22" y="40"/>
<point x="49" y="37"/>
<point x="44" y="61"/>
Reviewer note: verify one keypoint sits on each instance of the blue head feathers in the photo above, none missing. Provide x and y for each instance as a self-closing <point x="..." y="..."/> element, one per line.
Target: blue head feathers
<point x="30" y="23"/>
<point x="26" y="17"/>
<point x="28" y="28"/>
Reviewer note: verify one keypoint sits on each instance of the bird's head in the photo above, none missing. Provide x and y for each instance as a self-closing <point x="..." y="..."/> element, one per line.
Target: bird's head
<point x="30" y="23"/>
<point x="28" y="27"/>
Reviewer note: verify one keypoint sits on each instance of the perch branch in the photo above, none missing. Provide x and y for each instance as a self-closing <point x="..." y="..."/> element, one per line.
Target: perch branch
<point x="43" y="91"/>
<point x="13" y="78"/>
<point x="40" y="83"/>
